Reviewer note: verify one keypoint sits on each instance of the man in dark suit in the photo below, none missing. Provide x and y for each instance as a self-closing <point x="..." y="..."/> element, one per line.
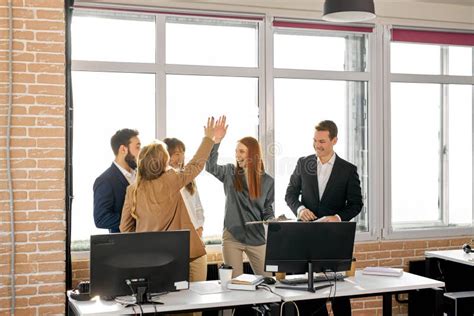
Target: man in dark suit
<point x="110" y="187"/>
<point x="330" y="191"/>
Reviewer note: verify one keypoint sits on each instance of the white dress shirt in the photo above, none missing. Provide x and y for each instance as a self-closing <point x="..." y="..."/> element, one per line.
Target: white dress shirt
<point x="130" y="176"/>
<point x="194" y="207"/>
<point x="193" y="204"/>
<point x="324" y="172"/>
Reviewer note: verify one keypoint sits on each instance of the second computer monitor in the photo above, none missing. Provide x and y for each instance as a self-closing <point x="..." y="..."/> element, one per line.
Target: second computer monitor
<point x="124" y="262"/>
<point x="292" y="245"/>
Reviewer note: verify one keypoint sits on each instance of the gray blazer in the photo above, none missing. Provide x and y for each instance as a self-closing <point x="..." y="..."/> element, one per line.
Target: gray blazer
<point x="239" y="208"/>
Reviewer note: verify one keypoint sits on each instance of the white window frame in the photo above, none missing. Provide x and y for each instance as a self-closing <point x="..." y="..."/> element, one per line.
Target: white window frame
<point x="160" y="69"/>
<point x="412" y="232"/>
<point x="369" y="77"/>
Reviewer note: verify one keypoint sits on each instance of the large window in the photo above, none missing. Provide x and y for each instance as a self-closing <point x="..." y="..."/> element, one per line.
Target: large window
<point x="186" y="112"/>
<point x="104" y="103"/>
<point x="415" y="152"/>
<point x="431" y="134"/>
<point x="113" y="37"/>
<point x="212" y="88"/>
<point x="165" y="89"/>
<point x="304" y="96"/>
<point x="206" y="42"/>
<point x="403" y="106"/>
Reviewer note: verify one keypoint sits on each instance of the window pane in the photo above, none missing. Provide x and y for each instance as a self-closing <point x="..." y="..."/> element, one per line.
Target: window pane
<point x="460" y="154"/>
<point x="192" y="41"/>
<point x="118" y="37"/>
<point x="411" y="58"/>
<point x="460" y="61"/>
<point x="315" y="51"/>
<point x="299" y="106"/>
<point x="415" y="112"/>
<point x="190" y="100"/>
<point x="103" y="104"/>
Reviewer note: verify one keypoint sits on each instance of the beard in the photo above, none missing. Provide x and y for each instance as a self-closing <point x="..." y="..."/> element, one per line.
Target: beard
<point x="131" y="161"/>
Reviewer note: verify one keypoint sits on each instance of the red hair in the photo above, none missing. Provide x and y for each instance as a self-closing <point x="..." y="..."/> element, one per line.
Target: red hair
<point x="255" y="168"/>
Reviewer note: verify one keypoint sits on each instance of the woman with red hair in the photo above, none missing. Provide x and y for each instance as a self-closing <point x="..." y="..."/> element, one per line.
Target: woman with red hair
<point x="249" y="195"/>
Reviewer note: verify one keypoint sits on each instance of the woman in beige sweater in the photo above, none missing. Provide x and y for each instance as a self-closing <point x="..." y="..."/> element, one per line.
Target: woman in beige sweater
<point x="154" y="201"/>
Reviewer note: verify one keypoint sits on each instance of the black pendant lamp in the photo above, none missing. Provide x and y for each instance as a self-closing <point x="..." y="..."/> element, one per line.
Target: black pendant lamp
<point x="348" y="10"/>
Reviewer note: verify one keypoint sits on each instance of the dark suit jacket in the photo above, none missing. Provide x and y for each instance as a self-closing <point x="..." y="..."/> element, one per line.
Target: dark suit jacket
<point x="342" y="195"/>
<point x="109" y="194"/>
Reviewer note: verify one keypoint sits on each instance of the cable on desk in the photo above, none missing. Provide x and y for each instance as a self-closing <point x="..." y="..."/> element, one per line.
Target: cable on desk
<point x="265" y="287"/>
<point x="335" y="289"/>
<point x="330" y="289"/>
<point x="129" y="283"/>
<point x="296" y="306"/>
<point x="441" y="273"/>
<point x="133" y="308"/>
<point x="328" y="299"/>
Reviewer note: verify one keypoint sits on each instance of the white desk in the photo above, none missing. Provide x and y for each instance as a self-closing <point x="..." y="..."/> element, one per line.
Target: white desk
<point x="366" y="285"/>
<point x="179" y="301"/>
<point x="456" y="255"/>
<point x="358" y="286"/>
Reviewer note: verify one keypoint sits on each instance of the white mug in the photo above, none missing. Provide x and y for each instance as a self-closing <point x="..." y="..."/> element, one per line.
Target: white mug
<point x="225" y="275"/>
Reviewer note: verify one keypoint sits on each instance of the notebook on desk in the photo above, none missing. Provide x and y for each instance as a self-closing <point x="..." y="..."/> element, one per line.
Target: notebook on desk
<point x="246" y="282"/>
<point x="247" y="279"/>
<point x="384" y="271"/>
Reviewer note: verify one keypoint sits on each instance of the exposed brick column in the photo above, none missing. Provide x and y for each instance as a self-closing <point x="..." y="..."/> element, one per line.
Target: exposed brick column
<point x="38" y="157"/>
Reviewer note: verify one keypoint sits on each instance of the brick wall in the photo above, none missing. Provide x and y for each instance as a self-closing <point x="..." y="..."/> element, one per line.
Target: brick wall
<point x="387" y="253"/>
<point x="394" y="254"/>
<point x="38" y="157"/>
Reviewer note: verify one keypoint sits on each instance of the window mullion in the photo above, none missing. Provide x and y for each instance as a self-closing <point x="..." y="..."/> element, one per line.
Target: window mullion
<point x="385" y="85"/>
<point x="444" y="145"/>
<point x="160" y="76"/>
<point x="355" y="116"/>
<point x="265" y="64"/>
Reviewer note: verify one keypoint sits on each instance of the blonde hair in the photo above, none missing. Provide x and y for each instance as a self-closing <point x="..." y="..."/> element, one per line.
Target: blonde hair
<point x="255" y="168"/>
<point x="152" y="162"/>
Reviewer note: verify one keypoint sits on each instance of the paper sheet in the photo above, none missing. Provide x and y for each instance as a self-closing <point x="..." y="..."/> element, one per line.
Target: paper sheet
<point x="209" y="288"/>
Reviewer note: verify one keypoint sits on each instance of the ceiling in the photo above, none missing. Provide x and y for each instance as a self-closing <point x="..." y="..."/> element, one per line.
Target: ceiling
<point x="307" y="3"/>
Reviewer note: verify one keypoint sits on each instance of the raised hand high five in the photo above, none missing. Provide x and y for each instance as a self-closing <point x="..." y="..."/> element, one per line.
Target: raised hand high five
<point x="220" y="129"/>
<point x="209" y="129"/>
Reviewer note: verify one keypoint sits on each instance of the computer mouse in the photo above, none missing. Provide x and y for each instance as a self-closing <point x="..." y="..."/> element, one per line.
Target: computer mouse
<point x="268" y="280"/>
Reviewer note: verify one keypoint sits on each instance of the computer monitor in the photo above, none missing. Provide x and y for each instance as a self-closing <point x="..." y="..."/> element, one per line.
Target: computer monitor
<point x="148" y="262"/>
<point x="300" y="247"/>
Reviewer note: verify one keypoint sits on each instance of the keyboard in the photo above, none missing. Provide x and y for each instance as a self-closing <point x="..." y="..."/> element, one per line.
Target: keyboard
<point x="317" y="278"/>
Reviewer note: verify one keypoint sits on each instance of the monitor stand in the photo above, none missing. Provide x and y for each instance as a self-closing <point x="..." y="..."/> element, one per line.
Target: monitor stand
<point x="311" y="288"/>
<point x="139" y="288"/>
<point x="142" y="294"/>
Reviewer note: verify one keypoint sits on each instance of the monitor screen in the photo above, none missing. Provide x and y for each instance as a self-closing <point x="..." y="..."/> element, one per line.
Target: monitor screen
<point x="160" y="260"/>
<point x="292" y="245"/>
